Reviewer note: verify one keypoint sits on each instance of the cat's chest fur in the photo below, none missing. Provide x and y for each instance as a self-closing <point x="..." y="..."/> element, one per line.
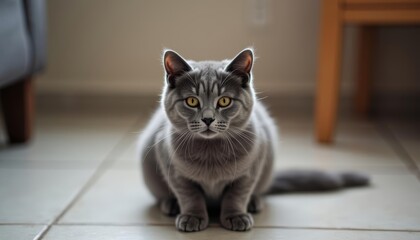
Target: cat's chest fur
<point x="214" y="163"/>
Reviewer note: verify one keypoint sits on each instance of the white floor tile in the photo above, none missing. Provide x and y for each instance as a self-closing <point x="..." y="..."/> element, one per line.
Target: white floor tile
<point x="408" y="135"/>
<point x="354" y="147"/>
<point x="389" y="203"/>
<point x="37" y="196"/>
<point x="169" y="232"/>
<point x="19" y="232"/>
<point x="129" y="158"/>
<point x="67" y="142"/>
<point x="413" y="149"/>
<point x="119" y="196"/>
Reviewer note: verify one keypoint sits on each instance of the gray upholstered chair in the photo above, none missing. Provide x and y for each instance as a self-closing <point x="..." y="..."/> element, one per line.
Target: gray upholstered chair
<point x="22" y="54"/>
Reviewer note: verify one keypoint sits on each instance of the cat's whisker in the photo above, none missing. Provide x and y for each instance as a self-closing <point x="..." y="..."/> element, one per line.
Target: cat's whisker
<point x="244" y="137"/>
<point x="234" y="138"/>
<point x="262" y="98"/>
<point x="141" y="132"/>
<point x="191" y="136"/>
<point x="181" y="138"/>
<point x="231" y="145"/>
<point x="156" y="143"/>
<point x="157" y="129"/>
<point x="244" y="130"/>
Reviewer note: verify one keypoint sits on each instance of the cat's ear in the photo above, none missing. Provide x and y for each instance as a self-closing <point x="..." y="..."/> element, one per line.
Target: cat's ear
<point x="242" y="64"/>
<point x="174" y="65"/>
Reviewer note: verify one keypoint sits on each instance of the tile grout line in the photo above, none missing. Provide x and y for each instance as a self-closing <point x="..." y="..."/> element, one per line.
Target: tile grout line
<point x="42" y="232"/>
<point x="22" y="224"/>
<point x="215" y="225"/>
<point x="109" y="159"/>
<point x="340" y="229"/>
<point x="211" y="225"/>
<point x="398" y="148"/>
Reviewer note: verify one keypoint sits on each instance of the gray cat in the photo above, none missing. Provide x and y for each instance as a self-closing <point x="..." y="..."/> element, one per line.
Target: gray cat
<point x="212" y="142"/>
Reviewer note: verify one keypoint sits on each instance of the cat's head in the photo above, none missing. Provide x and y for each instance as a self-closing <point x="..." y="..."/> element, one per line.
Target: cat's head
<point x="209" y="98"/>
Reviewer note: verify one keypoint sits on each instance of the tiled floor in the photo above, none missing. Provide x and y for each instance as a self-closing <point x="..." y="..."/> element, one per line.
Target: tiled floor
<point x="79" y="179"/>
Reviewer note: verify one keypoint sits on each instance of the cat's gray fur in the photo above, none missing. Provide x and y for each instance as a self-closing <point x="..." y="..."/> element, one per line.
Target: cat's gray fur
<point x="186" y="166"/>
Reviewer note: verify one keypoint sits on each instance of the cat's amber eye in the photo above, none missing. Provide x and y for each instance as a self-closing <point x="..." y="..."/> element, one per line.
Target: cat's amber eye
<point x="224" y="101"/>
<point x="192" y="101"/>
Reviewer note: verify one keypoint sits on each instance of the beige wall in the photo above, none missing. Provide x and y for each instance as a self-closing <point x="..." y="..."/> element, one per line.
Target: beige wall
<point x="114" y="46"/>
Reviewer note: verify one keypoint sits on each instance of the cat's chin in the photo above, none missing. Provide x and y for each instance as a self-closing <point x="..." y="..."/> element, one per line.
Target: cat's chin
<point x="208" y="134"/>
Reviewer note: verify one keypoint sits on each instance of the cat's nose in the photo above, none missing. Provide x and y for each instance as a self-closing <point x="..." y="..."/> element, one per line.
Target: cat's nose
<point x="207" y="121"/>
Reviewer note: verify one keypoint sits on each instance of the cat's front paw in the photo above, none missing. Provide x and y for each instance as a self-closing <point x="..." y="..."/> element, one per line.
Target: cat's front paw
<point x="189" y="223"/>
<point x="238" y="222"/>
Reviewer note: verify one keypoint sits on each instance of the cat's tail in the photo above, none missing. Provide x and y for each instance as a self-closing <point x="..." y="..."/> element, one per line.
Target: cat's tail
<point x="314" y="180"/>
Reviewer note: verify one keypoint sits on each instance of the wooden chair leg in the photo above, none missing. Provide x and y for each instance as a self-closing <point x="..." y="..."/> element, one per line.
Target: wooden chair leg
<point x="17" y="103"/>
<point x="364" y="70"/>
<point x="330" y="51"/>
